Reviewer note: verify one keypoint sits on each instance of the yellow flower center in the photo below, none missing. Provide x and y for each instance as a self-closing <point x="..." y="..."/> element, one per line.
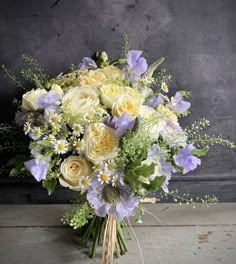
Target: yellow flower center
<point x="98" y="166"/>
<point x="90" y="116"/>
<point x="55" y="119"/>
<point x="85" y="182"/>
<point x="104" y="177"/>
<point x="61" y="146"/>
<point x="110" y="166"/>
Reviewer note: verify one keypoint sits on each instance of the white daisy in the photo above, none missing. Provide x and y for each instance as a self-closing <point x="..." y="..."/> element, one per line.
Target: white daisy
<point x="50" y="138"/>
<point x="35" y="133"/>
<point x="76" y="144"/>
<point x="61" y="146"/>
<point x="103" y="177"/>
<point x="110" y="165"/>
<point x="54" y="118"/>
<point x="27" y="127"/>
<point x="115" y="180"/>
<point x="89" y="117"/>
<point x="77" y="130"/>
<point x="164" y="87"/>
<point x="84" y="183"/>
<point x="98" y="167"/>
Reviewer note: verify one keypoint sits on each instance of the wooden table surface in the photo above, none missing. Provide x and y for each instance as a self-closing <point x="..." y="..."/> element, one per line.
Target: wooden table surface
<point x="33" y="234"/>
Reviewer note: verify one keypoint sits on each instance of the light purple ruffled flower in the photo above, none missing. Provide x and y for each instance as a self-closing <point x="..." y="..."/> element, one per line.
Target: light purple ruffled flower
<point x="111" y="200"/>
<point x="120" y="124"/>
<point x="155" y="101"/>
<point x="184" y="159"/>
<point x="177" y="104"/>
<point x="38" y="168"/>
<point x="136" y="65"/>
<point x="166" y="170"/>
<point x="87" y="63"/>
<point x="49" y="101"/>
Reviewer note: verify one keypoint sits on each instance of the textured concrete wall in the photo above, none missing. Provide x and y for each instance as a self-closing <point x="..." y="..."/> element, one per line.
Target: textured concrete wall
<point x="197" y="37"/>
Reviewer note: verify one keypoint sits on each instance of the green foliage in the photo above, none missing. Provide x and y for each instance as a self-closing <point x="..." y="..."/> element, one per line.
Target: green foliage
<point x="125" y="47"/>
<point x="50" y="185"/>
<point x="12" y="78"/>
<point x="200" y="152"/>
<point x="153" y="67"/>
<point x="197" y="126"/>
<point x="78" y="216"/>
<point x="156" y="184"/>
<point x="17" y="165"/>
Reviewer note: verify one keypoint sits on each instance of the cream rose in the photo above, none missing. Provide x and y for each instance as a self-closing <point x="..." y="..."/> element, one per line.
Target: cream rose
<point x="126" y="103"/>
<point x="80" y="100"/>
<point x="57" y="89"/>
<point x="73" y="169"/>
<point x="111" y="92"/>
<point x="92" y="78"/>
<point x="29" y="99"/>
<point x="112" y="72"/>
<point x="154" y="121"/>
<point x="100" y="142"/>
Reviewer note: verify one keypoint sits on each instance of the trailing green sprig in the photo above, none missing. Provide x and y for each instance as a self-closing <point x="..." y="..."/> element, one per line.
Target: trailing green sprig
<point x="187" y="199"/>
<point x="197" y="126"/>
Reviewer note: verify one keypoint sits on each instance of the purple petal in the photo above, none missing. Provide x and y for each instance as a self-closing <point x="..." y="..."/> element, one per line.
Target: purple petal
<point x="178" y="105"/>
<point x="87" y="63"/>
<point x="140" y="67"/>
<point x="38" y="168"/>
<point x="133" y="56"/>
<point x="155" y="101"/>
<point x="50" y="98"/>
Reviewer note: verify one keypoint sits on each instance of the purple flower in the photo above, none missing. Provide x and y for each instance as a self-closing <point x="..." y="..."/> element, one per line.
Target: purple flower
<point x="136" y="65"/>
<point x="155" y="101"/>
<point x="49" y="100"/>
<point x="177" y="104"/>
<point x="38" y="168"/>
<point x="111" y="200"/>
<point x="184" y="159"/>
<point x="87" y="63"/>
<point x="166" y="170"/>
<point x="120" y="124"/>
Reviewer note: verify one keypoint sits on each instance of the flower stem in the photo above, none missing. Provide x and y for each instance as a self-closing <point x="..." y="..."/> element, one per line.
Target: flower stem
<point x="121" y="236"/>
<point x="98" y="226"/>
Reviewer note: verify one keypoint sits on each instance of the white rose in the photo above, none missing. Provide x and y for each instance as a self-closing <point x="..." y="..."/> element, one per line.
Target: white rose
<point x="155" y="122"/>
<point x="29" y="99"/>
<point x="100" y="142"/>
<point x="80" y="100"/>
<point x="73" y="169"/>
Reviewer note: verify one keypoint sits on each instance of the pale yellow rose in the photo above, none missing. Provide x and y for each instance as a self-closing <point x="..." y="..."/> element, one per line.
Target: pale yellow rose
<point x="92" y="78"/>
<point x="57" y="88"/>
<point x="111" y="92"/>
<point x="73" y="169"/>
<point x="80" y="100"/>
<point x="100" y="142"/>
<point x="154" y="122"/>
<point x="126" y="103"/>
<point x="112" y="72"/>
<point x="29" y="99"/>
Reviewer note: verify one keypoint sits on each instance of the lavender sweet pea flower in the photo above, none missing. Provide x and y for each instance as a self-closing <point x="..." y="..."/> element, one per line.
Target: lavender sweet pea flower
<point x="38" y="168"/>
<point x="136" y="65"/>
<point x="166" y="170"/>
<point x="155" y="101"/>
<point x="184" y="159"/>
<point x="87" y="63"/>
<point x="48" y="100"/>
<point x="177" y="104"/>
<point x="120" y="124"/>
<point x="111" y="200"/>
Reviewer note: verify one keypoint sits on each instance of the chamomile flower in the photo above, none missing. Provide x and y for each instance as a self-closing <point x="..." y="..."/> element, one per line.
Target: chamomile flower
<point x="89" y="117"/>
<point x="84" y="183"/>
<point x="54" y="118"/>
<point x="27" y="127"/>
<point x="76" y="144"/>
<point x="103" y="177"/>
<point x="77" y="130"/>
<point x="115" y="180"/>
<point x="35" y="133"/>
<point x="98" y="166"/>
<point x="50" y="138"/>
<point x="164" y="87"/>
<point x="99" y="111"/>
<point x="110" y="165"/>
<point x="61" y="146"/>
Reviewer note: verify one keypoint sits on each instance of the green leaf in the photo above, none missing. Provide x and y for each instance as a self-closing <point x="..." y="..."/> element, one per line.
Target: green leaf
<point x="50" y="185"/>
<point x="152" y="68"/>
<point x="156" y="184"/>
<point x="18" y="161"/>
<point x="145" y="170"/>
<point x="200" y="152"/>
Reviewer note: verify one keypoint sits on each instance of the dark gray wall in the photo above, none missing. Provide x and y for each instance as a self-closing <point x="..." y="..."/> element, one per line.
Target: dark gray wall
<point x="197" y="37"/>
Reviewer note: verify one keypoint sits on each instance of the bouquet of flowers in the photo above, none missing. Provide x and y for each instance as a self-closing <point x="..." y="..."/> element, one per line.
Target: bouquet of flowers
<point x="108" y="131"/>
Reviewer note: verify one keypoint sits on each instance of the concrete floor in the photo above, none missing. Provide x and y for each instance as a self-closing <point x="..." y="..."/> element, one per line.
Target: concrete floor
<point x="33" y="234"/>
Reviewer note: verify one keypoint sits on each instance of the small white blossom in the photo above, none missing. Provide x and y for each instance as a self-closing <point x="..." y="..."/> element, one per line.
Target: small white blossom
<point x="54" y="118"/>
<point x="50" y="138"/>
<point x="98" y="167"/>
<point x="115" y="180"/>
<point x="164" y="87"/>
<point x="35" y="133"/>
<point x="61" y="146"/>
<point x="103" y="177"/>
<point x="27" y="127"/>
<point x="84" y="183"/>
<point x="89" y="117"/>
<point x="110" y="165"/>
<point x="77" y="130"/>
